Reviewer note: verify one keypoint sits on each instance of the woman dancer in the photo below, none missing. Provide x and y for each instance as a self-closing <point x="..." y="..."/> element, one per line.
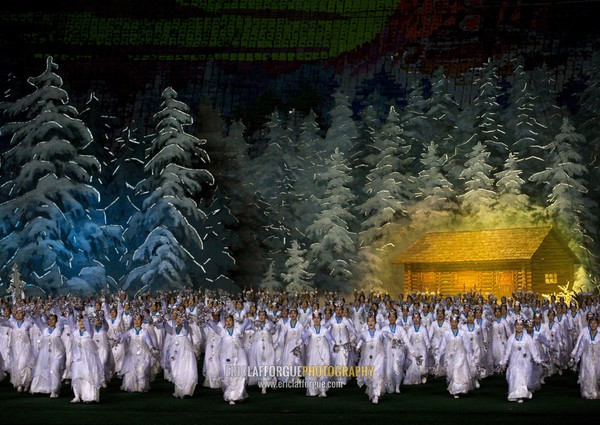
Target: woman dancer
<point x="396" y="344"/>
<point x="587" y="353"/>
<point x="372" y="355"/>
<point x="232" y="358"/>
<point x="137" y="358"/>
<point x="456" y="349"/>
<point x="292" y="352"/>
<point x="184" y="369"/>
<point x="87" y="372"/>
<point x="520" y="354"/>
<point x="50" y="362"/>
<point x="21" y="352"/>
<point x="418" y="369"/>
<point x="262" y="352"/>
<point x="318" y="341"/>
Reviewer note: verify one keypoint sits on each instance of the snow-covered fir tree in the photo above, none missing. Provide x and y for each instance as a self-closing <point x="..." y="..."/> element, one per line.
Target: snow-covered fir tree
<point x="389" y="188"/>
<point x="368" y="127"/>
<point x="415" y="123"/>
<point x="270" y="282"/>
<point x="333" y="248"/>
<point x="296" y="278"/>
<point x="311" y="154"/>
<point x="479" y="192"/>
<point x="589" y="108"/>
<point x="512" y="206"/>
<point x="565" y="182"/>
<point x="488" y="125"/>
<point x="342" y="131"/>
<point x="165" y="235"/>
<point x="521" y="120"/>
<point x="49" y="225"/>
<point x="435" y="197"/>
<point x="442" y="113"/>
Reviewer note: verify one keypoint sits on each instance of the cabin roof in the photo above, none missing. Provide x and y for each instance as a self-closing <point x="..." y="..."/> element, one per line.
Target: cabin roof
<point x="478" y="245"/>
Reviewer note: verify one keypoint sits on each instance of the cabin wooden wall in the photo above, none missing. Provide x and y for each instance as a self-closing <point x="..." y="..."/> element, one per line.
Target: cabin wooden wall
<point x="551" y="258"/>
<point x="500" y="279"/>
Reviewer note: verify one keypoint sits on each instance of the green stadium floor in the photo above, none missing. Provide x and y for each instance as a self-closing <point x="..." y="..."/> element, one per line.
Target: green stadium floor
<point x="558" y="402"/>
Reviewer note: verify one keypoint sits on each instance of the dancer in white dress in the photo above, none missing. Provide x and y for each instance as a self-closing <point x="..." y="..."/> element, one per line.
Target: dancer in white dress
<point x="343" y="332"/>
<point x="232" y="357"/>
<point x="211" y="367"/>
<point x="521" y="353"/>
<point x="318" y="341"/>
<point x="182" y="355"/>
<point x="396" y="346"/>
<point x="262" y="352"/>
<point x="587" y="354"/>
<point x="50" y="362"/>
<point x="372" y="354"/>
<point x="458" y="363"/>
<point x="418" y="368"/>
<point x="292" y="351"/>
<point x="21" y="352"/>
<point x="137" y="358"/>
<point x="87" y="372"/>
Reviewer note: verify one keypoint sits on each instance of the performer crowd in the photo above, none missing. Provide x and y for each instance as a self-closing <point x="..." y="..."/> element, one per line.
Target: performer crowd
<point x="404" y="341"/>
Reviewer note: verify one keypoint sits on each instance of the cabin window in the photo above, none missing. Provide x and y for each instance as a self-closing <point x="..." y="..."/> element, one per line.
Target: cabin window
<point x="551" y="278"/>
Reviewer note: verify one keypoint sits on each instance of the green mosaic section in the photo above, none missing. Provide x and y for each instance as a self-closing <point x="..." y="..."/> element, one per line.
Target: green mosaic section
<point x="242" y="30"/>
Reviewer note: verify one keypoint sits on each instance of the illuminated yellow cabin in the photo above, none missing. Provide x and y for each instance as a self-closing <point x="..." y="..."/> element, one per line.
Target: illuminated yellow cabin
<point x="499" y="261"/>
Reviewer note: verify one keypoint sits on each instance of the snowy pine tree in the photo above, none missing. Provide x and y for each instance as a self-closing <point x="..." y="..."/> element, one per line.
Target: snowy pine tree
<point x="442" y="113"/>
<point x="333" y="250"/>
<point x="435" y="195"/>
<point x="523" y="124"/>
<point x="270" y="282"/>
<point x="342" y="131"/>
<point x="296" y="277"/>
<point x="50" y="228"/>
<point x="513" y="207"/>
<point x="565" y="180"/>
<point x="165" y="233"/>
<point x="488" y="128"/>
<point x="479" y="192"/>
<point x="389" y="188"/>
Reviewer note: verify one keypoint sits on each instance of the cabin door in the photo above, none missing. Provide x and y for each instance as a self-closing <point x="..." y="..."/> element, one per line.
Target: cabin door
<point x="506" y="283"/>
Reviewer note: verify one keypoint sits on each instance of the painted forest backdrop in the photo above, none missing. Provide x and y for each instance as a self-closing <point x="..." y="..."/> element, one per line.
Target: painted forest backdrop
<point x="320" y="196"/>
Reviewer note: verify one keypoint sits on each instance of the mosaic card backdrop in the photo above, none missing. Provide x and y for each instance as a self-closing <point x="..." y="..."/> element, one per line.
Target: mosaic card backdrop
<point x="279" y="90"/>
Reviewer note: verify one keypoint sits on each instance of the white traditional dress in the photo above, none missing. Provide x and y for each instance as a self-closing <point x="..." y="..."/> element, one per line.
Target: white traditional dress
<point x="137" y="360"/>
<point x="211" y="367"/>
<point x="87" y="372"/>
<point x="456" y="350"/>
<point x="292" y="351"/>
<point x="21" y="352"/>
<point x="587" y="352"/>
<point x="50" y="363"/>
<point x="232" y="358"/>
<point x="521" y="352"/>
<point x="372" y="355"/>
<point x="416" y="371"/>
<point x="500" y="331"/>
<point x="318" y="341"/>
<point x="396" y="345"/>
<point x="342" y="330"/>
<point x="262" y="353"/>
<point x="436" y="332"/>
<point x="184" y="368"/>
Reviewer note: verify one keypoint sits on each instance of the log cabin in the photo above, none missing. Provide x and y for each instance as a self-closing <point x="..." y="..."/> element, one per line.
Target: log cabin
<point x="494" y="261"/>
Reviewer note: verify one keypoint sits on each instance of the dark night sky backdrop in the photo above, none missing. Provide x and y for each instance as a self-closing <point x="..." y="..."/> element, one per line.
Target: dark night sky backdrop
<point x="125" y="52"/>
